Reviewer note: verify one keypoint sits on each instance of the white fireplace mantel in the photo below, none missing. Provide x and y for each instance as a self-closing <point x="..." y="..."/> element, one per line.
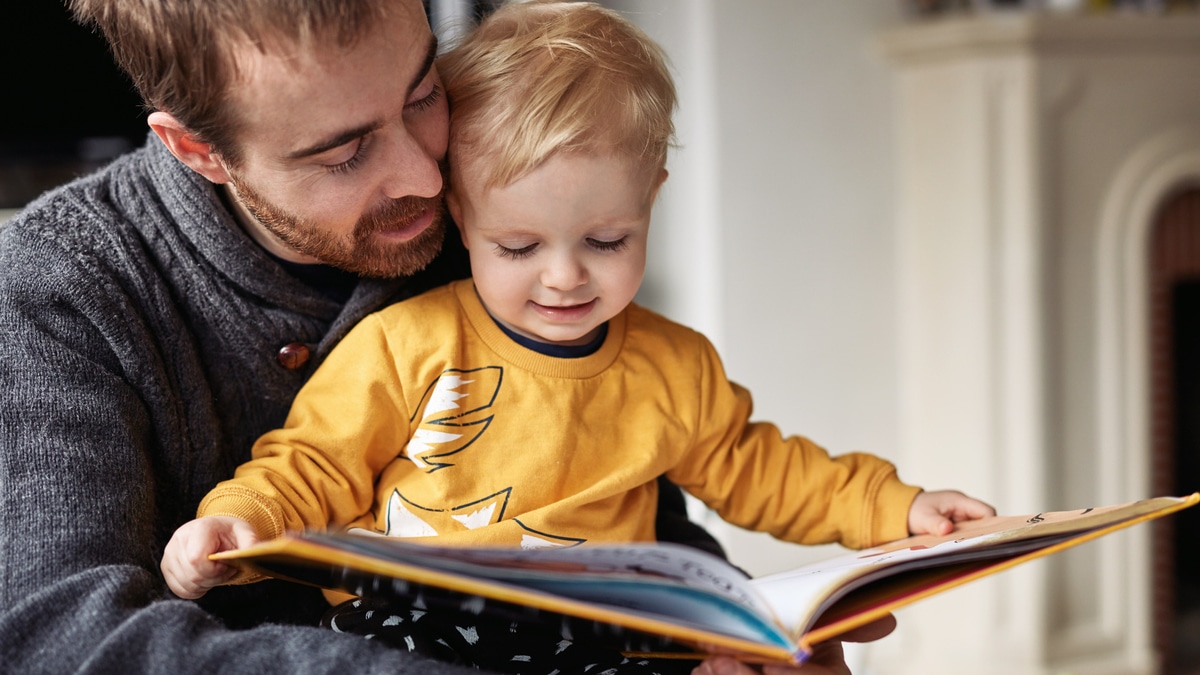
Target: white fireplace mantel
<point x="1033" y="150"/>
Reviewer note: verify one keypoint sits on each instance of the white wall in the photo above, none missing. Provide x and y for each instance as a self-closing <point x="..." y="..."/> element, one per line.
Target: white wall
<point x="779" y="235"/>
<point x="775" y="233"/>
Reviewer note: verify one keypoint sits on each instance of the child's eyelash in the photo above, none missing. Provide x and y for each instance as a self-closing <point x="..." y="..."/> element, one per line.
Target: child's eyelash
<point x="609" y="245"/>
<point x="515" y="253"/>
<point x="526" y="251"/>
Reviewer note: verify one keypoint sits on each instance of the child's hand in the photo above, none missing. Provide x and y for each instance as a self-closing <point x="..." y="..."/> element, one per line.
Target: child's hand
<point x="185" y="564"/>
<point x="937" y="512"/>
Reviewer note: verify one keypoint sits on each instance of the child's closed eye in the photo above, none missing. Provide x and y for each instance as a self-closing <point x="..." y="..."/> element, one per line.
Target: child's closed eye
<point x="515" y="253"/>
<point x="615" y="245"/>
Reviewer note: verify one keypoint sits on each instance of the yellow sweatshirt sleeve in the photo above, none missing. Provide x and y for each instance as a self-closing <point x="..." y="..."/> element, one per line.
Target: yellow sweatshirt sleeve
<point x="319" y="469"/>
<point x="790" y="487"/>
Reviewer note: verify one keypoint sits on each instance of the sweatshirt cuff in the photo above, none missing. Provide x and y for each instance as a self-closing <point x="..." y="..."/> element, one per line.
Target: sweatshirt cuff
<point x="239" y="502"/>
<point x="892" y="502"/>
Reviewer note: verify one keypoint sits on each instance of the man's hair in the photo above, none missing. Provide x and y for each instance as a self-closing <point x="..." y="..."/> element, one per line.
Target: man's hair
<point x="180" y="53"/>
<point x="540" y="77"/>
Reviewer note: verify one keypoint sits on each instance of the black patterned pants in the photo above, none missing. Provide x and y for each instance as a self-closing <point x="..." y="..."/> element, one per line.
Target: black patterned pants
<point x="505" y="638"/>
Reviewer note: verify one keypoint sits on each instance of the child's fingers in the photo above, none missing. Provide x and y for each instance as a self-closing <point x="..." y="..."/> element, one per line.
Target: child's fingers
<point x="937" y="512"/>
<point x="962" y="508"/>
<point x="929" y="521"/>
<point x="186" y="566"/>
<point x="939" y="525"/>
<point x="242" y="534"/>
<point x="191" y="578"/>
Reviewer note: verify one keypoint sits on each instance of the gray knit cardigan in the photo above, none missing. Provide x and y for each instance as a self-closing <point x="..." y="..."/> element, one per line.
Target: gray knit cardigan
<point x="139" y="328"/>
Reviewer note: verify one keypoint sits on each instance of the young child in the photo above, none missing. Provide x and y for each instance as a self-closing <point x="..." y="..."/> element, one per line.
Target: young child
<point x="536" y="405"/>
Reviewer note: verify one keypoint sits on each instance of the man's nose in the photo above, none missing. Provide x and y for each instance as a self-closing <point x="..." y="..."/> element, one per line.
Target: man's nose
<point x="410" y="169"/>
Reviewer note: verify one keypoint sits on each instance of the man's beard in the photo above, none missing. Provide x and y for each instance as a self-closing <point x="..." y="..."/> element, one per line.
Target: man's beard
<point x="362" y="254"/>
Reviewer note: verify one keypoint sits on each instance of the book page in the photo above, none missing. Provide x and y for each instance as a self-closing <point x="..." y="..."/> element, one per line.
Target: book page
<point x="798" y="596"/>
<point x="695" y="592"/>
<point x="687" y="566"/>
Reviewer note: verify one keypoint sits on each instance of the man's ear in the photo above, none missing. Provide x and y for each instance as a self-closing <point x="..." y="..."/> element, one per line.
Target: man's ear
<point x="197" y="155"/>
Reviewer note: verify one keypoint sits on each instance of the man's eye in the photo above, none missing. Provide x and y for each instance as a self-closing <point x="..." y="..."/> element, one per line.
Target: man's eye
<point x="352" y="162"/>
<point x="346" y="166"/>
<point x="515" y="253"/>
<point x="427" y="101"/>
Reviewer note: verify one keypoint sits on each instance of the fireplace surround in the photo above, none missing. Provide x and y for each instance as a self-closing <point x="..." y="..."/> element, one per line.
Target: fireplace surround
<point x="1036" y="153"/>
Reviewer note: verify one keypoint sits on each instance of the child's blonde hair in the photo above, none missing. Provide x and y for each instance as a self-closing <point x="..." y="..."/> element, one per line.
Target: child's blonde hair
<point x="540" y="77"/>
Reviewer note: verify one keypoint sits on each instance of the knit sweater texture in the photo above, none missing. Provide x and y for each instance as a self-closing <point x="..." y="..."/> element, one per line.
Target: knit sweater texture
<point x="139" y="327"/>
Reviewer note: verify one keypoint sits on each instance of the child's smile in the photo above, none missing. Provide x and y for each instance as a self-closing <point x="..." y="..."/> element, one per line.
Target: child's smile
<point x="561" y="250"/>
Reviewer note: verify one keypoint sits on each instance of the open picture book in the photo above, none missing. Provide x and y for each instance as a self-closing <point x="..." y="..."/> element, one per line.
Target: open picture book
<point x="664" y="599"/>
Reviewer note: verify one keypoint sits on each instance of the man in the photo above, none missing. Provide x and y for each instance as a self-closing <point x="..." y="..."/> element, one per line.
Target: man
<point x="160" y="314"/>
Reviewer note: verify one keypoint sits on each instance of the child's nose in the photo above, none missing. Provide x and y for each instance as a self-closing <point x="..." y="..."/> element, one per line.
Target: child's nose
<point x="564" y="273"/>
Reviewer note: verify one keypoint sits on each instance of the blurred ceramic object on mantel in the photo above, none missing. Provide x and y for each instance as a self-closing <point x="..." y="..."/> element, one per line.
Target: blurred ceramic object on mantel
<point x="1065" y="6"/>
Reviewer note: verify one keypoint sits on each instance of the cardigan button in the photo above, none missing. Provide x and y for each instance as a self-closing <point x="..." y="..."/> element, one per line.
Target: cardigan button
<point x="293" y="355"/>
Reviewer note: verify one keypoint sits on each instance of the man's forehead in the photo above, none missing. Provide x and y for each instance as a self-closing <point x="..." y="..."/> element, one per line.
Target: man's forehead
<point x="282" y="81"/>
<point x="278" y="29"/>
<point x="313" y="46"/>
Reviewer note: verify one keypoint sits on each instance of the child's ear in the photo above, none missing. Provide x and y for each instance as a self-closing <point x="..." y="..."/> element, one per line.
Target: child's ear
<point x="455" y="208"/>
<point x="196" y="154"/>
<point x="452" y="204"/>
<point x="658" y="183"/>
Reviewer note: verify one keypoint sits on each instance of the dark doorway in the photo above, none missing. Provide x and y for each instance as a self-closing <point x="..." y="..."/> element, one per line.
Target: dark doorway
<point x="1186" y="538"/>
<point x="1175" y="406"/>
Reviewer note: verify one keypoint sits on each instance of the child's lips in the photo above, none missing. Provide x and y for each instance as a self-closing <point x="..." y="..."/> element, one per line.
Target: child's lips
<point x="565" y="312"/>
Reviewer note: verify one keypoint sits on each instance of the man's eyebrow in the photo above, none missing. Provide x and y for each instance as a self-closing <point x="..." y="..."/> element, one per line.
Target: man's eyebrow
<point x="337" y="141"/>
<point x="360" y="131"/>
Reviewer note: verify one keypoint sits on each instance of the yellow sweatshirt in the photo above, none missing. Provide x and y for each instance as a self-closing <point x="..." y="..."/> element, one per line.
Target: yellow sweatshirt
<point x="427" y="420"/>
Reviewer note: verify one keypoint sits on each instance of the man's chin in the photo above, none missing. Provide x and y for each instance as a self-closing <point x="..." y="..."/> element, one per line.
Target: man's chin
<point x="388" y="260"/>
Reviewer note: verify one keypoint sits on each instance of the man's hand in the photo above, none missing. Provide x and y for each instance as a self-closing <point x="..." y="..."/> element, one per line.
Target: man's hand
<point x="827" y="659"/>
<point x="936" y="512"/>
<point x="185" y="564"/>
